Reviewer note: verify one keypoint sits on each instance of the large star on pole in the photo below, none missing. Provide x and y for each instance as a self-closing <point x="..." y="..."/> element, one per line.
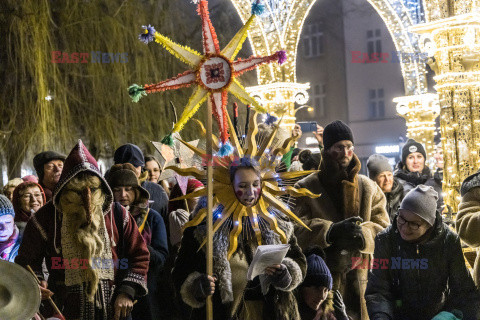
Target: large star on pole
<point x="213" y="74"/>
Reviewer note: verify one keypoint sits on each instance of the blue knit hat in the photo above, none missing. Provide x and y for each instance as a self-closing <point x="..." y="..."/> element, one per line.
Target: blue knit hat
<point x="6" y="206"/>
<point x="129" y="153"/>
<point x="318" y="274"/>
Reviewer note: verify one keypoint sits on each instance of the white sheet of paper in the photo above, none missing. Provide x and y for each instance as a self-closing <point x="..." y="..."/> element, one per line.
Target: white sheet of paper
<point x="265" y="256"/>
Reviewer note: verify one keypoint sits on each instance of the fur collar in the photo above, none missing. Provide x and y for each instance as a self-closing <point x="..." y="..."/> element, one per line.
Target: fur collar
<point x="246" y="242"/>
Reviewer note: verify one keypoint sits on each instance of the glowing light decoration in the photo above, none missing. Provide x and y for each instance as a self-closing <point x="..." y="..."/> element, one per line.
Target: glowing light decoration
<point x="420" y="112"/>
<point x="213" y="74"/>
<point x="278" y="28"/>
<point x="454" y="27"/>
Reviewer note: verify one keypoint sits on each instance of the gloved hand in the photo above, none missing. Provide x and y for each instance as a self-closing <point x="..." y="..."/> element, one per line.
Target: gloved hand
<point x="339" y="307"/>
<point x="345" y="232"/>
<point x="203" y="286"/>
<point x="279" y="276"/>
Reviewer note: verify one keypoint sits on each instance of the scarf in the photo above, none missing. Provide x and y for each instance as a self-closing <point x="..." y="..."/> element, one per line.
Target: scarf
<point x="140" y="214"/>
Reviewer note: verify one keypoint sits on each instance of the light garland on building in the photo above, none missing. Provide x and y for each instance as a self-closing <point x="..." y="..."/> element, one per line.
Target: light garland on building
<point x="454" y="28"/>
<point x="420" y="112"/>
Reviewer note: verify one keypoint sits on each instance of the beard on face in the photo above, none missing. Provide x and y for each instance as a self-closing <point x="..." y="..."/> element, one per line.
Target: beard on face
<point x="85" y="235"/>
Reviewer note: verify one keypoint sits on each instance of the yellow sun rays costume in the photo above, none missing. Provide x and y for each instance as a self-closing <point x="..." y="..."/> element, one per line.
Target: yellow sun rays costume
<point x="226" y="207"/>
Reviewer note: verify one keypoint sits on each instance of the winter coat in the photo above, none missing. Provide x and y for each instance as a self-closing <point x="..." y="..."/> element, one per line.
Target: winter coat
<point x="434" y="280"/>
<point x="159" y="198"/>
<point x="155" y="236"/>
<point x="410" y="180"/>
<point x="394" y="198"/>
<point x="190" y="264"/>
<point x="42" y="240"/>
<point x="468" y="219"/>
<point x="351" y="195"/>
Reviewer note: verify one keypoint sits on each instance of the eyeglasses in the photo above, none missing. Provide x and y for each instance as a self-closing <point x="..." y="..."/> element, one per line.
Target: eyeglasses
<point x="412" y="225"/>
<point x="27" y="196"/>
<point x="342" y="148"/>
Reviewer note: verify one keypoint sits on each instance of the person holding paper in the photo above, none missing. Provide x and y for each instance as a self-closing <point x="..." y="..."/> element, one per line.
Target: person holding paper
<point x="346" y="218"/>
<point x="234" y="297"/>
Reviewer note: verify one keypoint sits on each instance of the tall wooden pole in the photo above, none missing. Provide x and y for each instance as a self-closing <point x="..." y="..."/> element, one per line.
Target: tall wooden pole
<point x="209" y="312"/>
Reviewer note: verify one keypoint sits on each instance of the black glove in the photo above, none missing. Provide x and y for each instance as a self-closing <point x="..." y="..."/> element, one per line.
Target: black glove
<point x="339" y="307"/>
<point x="202" y="287"/>
<point x="346" y="229"/>
<point x="282" y="278"/>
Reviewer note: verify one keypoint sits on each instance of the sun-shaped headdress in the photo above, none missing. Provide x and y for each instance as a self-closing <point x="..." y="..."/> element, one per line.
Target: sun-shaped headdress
<point x="214" y="73"/>
<point x="226" y="207"/>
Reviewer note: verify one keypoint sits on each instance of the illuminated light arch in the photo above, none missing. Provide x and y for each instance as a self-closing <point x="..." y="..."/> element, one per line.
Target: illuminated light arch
<point x="279" y="28"/>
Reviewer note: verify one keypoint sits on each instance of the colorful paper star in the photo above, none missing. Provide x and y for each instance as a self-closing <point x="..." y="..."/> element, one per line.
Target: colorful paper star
<point x="214" y="73"/>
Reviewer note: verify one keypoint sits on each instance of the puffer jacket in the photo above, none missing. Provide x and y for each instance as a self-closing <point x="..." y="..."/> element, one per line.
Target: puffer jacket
<point x="394" y="198"/>
<point x="435" y="280"/>
<point x="410" y="180"/>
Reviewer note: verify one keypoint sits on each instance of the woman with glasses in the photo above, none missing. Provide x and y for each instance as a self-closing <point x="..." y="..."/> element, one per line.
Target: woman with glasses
<point x="28" y="197"/>
<point x="423" y="272"/>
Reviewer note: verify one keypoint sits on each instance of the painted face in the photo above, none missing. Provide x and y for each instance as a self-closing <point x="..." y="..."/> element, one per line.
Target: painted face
<point x="385" y="181"/>
<point x="153" y="171"/>
<point x="6" y="227"/>
<point x="314" y="296"/>
<point x="31" y="199"/>
<point x="124" y="195"/>
<point x="415" y="162"/>
<point x="247" y="186"/>
<point x="52" y="171"/>
<point x="411" y="226"/>
<point x="342" y="153"/>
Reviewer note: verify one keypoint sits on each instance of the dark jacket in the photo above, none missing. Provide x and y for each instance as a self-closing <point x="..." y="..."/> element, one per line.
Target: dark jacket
<point x="410" y="180"/>
<point x="394" y="198"/>
<point x="155" y="237"/>
<point x="159" y="198"/>
<point x="438" y="281"/>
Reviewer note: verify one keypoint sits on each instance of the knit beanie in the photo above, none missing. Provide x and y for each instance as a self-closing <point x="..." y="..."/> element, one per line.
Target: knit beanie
<point x="123" y="175"/>
<point x="422" y="200"/>
<point x="318" y="273"/>
<point x="6" y="206"/>
<point x="412" y="146"/>
<point x="129" y="153"/>
<point x="44" y="157"/>
<point x="336" y="131"/>
<point x="377" y="164"/>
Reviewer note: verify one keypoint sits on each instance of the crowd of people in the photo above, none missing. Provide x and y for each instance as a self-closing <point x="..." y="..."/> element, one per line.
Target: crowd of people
<point x="113" y="245"/>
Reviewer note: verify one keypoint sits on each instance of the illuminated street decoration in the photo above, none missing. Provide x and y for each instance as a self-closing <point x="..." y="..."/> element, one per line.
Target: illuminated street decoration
<point x="453" y="27"/>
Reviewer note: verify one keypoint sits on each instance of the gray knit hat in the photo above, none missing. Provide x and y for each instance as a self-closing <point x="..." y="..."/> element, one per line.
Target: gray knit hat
<point x="377" y="164"/>
<point x="423" y="202"/>
<point x="6" y="207"/>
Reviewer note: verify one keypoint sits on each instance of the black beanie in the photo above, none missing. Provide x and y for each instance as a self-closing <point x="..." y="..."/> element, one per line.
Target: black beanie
<point x="129" y="153"/>
<point x="412" y="146"/>
<point x="336" y="131"/>
<point x="318" y="274"/>
<point x="45" y="157"/>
